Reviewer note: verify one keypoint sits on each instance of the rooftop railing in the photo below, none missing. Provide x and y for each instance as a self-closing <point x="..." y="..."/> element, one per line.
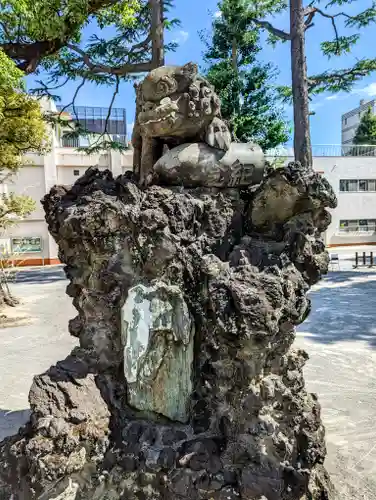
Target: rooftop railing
<point x="320" y="150"/>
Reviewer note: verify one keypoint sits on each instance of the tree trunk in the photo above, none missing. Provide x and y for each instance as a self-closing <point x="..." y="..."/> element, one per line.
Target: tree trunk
<point x="157" y="30"/>
<point x="136" y="135"/>
<point x="157" y="56"/>
<point x="302" y="136"/>
<point x="234" y="56"/>
<point x="6" y="298"/>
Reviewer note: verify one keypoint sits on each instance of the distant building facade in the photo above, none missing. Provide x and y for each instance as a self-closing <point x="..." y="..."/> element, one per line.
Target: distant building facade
<point x="95" y="120"/>
<point x="352" y="174"/>
<point x="29" y="242"/>
<point x="351" y="120"/>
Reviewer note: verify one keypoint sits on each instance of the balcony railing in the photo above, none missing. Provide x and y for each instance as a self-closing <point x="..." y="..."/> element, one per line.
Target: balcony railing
<point x="70" y="142"/>
<point x="84" y="142"/>
<point x="320" y="150"/>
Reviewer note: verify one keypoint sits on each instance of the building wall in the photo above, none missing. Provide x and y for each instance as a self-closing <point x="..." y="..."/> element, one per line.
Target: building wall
<point x="351" y="205"/>
<point x="59" y="166"/>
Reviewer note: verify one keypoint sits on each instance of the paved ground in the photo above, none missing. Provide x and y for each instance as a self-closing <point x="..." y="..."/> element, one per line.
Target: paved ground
<point x="340" y="336"/>
<point x="39" y="341"/>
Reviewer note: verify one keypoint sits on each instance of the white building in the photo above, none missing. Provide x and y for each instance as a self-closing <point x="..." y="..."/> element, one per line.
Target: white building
<point x="351" y="120"/>
<point x="28" y="242"/>
<point x="353" y="179"/>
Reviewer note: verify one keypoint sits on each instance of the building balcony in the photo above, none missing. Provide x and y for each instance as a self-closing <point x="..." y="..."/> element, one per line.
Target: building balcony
<point x="73" y="157"/>
<point x="84" y="142"/>
<point x="70" y="151"/>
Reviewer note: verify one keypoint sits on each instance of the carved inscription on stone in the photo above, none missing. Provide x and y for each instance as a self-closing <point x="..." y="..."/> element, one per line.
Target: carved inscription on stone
<point x="157" y="334"/>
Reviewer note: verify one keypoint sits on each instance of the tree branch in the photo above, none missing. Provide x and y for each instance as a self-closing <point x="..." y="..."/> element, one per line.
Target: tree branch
<point x="275" y="31"/>
<point x="344" y="78"/>
<point x="310" y="15"/>
<point x="111" y="70"/>
<point x="29" y="55"/>
<point x="143" y="44"/>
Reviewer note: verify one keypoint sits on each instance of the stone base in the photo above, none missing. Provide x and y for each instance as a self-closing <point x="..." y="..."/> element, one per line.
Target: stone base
<point x="72" y="449"/>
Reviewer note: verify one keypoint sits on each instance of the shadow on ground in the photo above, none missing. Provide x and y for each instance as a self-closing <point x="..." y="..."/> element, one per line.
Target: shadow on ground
<point x="11" y="421"/>
<point x="343" y="309"/>
<point x="38" y="276"/>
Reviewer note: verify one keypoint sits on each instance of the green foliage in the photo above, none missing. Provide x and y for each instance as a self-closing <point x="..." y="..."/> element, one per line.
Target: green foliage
<point x="22" y="129"/>
<point x="366" y="131"/>
<point x="10" y="76"/>
<point x="13" y="208"/>
<point x="50" y="19"/>
<point x="341" y="43"/>
<point x="249" y="102"/>
<point x="47" y="35"/>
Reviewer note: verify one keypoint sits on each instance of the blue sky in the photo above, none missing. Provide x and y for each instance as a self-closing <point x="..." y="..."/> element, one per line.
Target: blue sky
<point x="196" y="15"/>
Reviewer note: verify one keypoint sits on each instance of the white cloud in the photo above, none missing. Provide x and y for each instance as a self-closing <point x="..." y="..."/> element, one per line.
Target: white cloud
<point x="181" y="37"/>
<point x="217" y="14"/>
<point x="370" y="90"/>
<point x="338" y="97"/>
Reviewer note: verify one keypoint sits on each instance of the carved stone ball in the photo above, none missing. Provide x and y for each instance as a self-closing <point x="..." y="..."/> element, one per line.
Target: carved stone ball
<point x="197" y="164"/>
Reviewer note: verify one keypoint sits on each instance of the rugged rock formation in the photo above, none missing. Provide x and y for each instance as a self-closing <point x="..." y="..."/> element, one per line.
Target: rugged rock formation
<point x="220" y="276"/>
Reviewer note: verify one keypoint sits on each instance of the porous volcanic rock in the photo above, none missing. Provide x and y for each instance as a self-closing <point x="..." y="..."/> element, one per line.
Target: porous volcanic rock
<point x="243" y="261"/>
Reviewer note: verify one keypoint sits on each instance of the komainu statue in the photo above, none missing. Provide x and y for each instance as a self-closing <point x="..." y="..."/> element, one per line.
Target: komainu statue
<point x="185" y="383"/>
<point x="178" y="107"/>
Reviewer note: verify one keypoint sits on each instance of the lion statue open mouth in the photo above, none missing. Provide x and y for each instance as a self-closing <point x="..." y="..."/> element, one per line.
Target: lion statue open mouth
<point x="177" y="102"/>
<point x="177" y="105"/>
<point x="180" y="138"/>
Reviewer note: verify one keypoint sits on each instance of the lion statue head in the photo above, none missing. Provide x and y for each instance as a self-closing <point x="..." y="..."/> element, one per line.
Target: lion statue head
<point x="177" y="103"/>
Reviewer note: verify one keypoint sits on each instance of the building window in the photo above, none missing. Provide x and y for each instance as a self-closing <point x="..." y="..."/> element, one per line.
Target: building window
<point x="76" y="173"/>
<point x="357" y="226"/>
<point x="69" y="142"/>
<point x="355" y="185"/>
<point x="348" y="185"/>
<point x="363" y="185"/>
<point x="345" y="121"/>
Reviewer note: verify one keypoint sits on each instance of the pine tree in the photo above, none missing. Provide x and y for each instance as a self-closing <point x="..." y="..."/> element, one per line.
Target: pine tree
<point x="366" y="131"/>
<point x="249" y="103"/>
<point x="302" y="18"/>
